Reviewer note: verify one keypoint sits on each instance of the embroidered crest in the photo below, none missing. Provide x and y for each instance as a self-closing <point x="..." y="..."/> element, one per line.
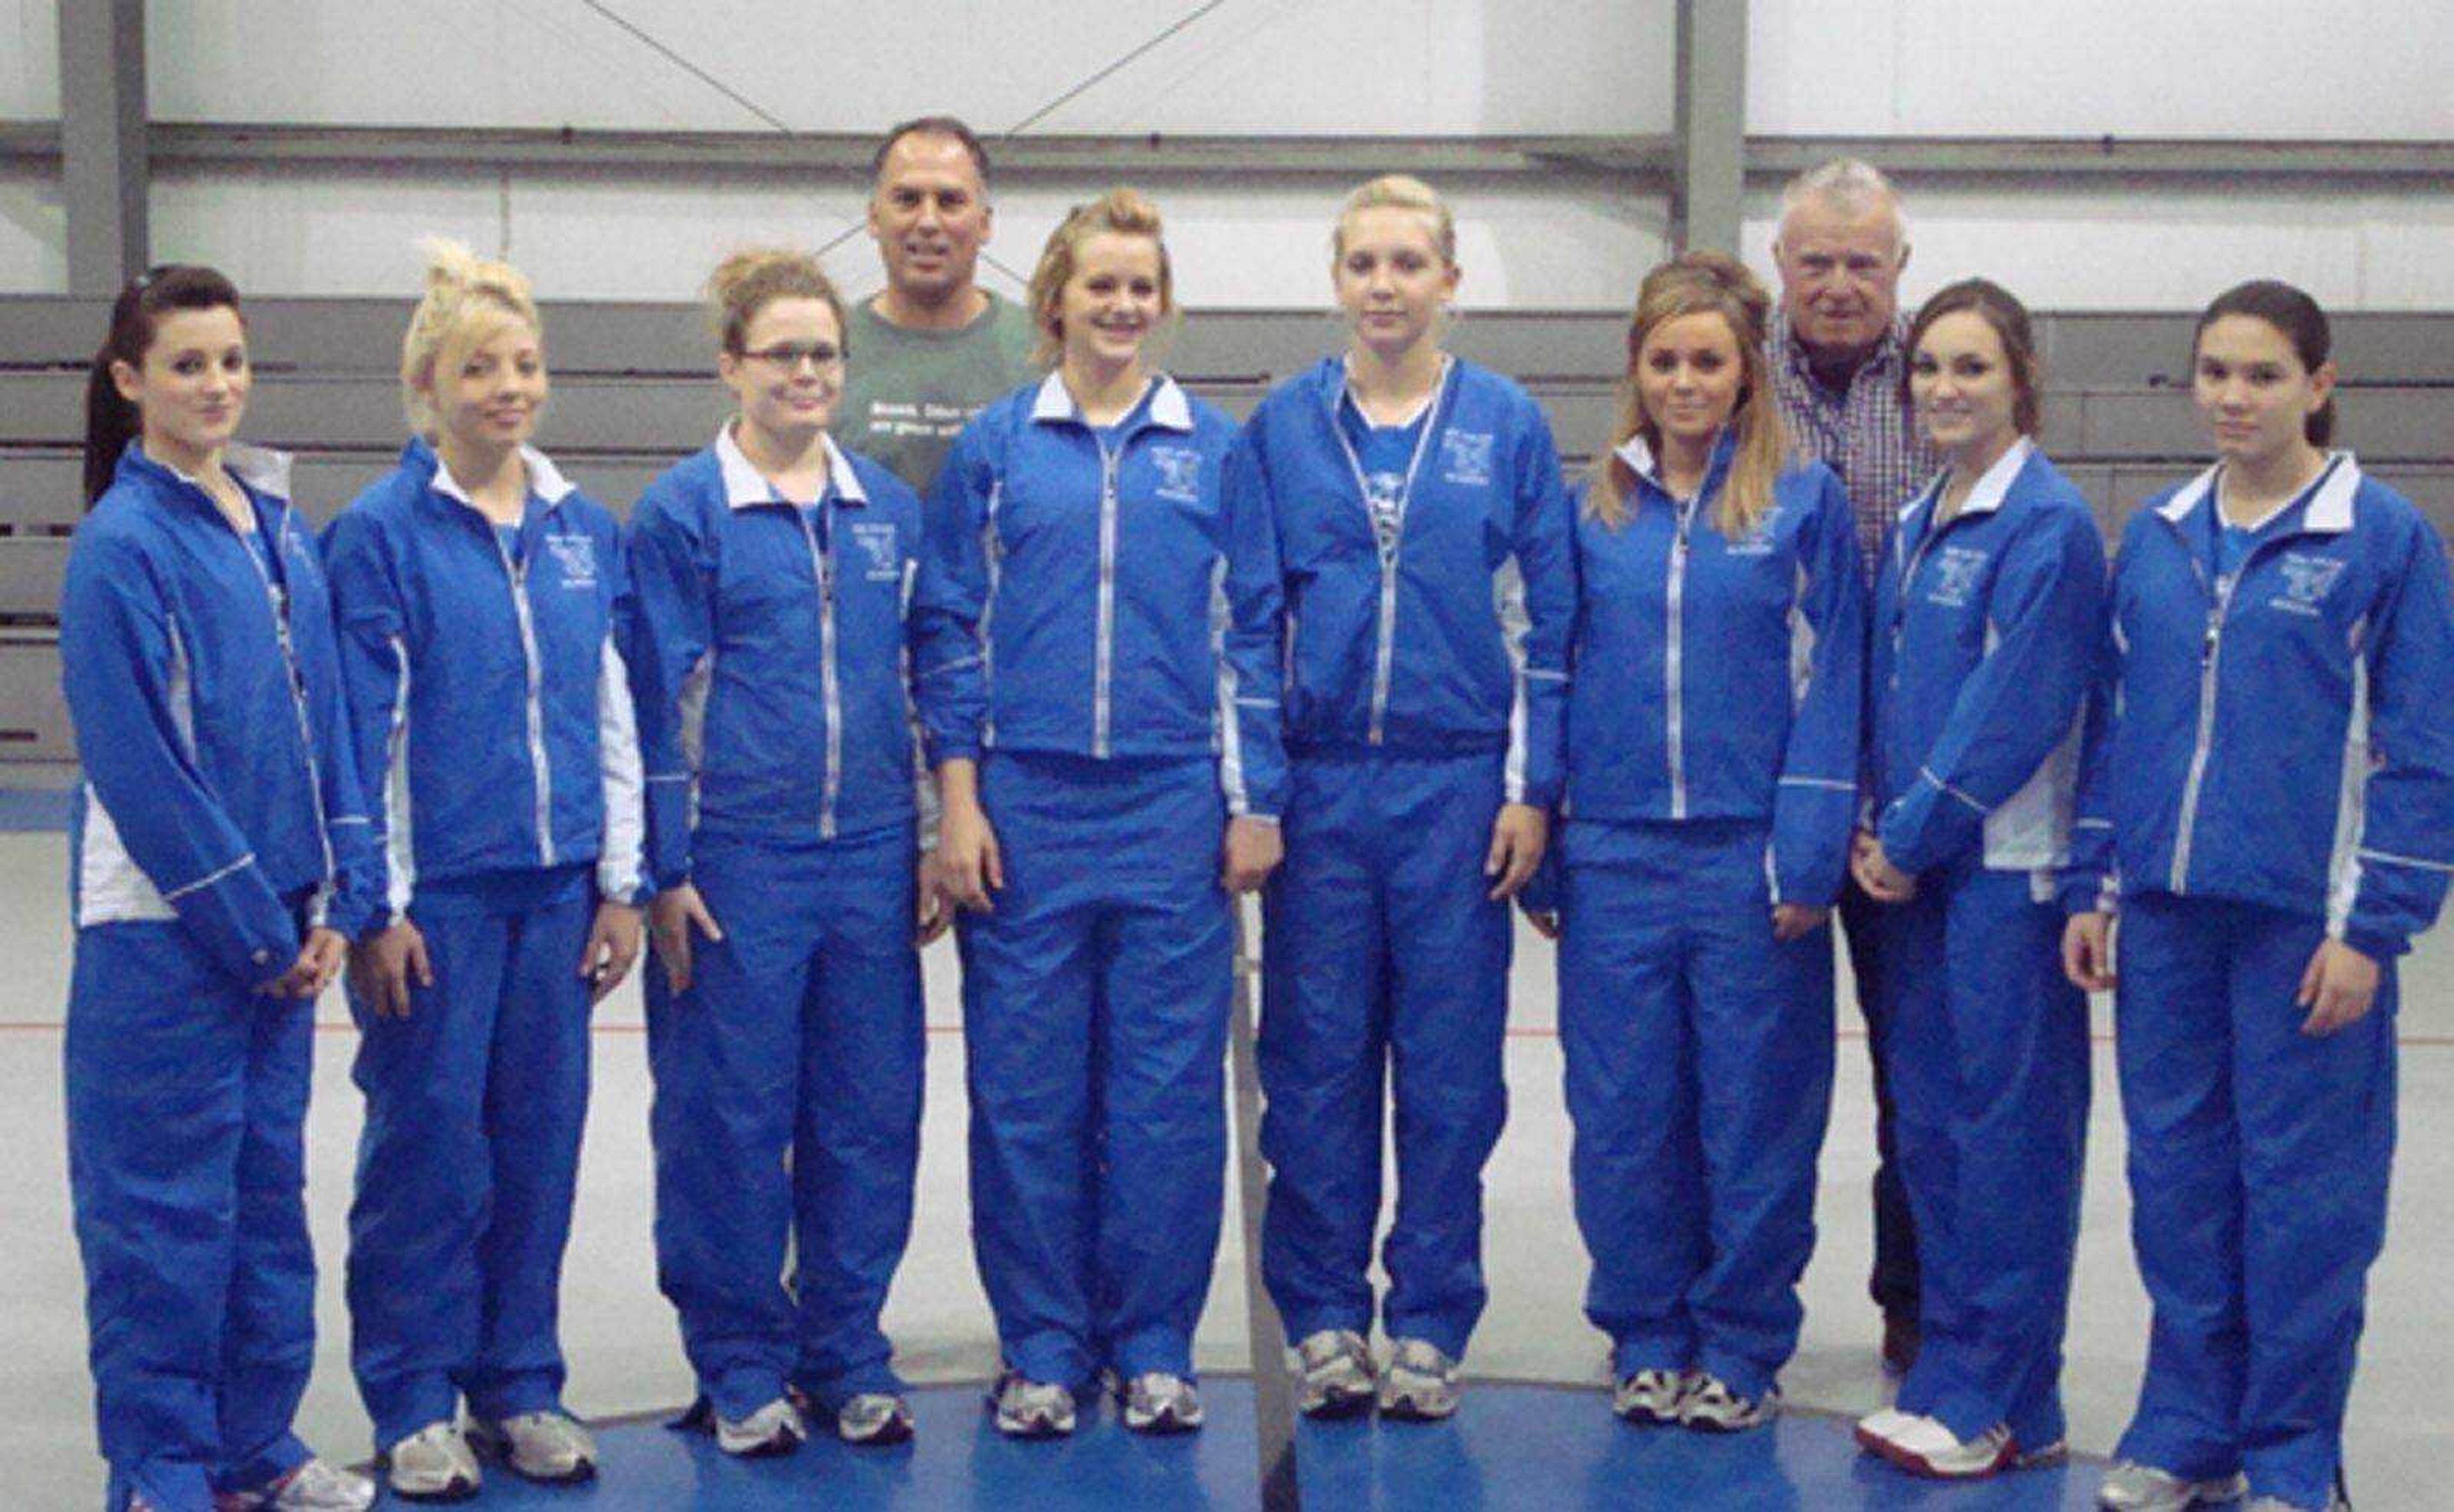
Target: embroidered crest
<point x="875" y="539"/>
<point x="1951" y="576"/>
<point x="2307" y="581"/>
<point x="1757" y="542"/>
<point x="575" y="557"/>
<point x="1179" y="472"/>
<point x="1465" y="458"/>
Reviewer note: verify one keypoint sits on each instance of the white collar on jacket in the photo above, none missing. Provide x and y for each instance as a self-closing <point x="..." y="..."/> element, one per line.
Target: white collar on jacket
<point x="2330" y="509"/>
<point x="545" y="479"/>
<point x="745" y="487"/>
<point x="1168" y="406"/>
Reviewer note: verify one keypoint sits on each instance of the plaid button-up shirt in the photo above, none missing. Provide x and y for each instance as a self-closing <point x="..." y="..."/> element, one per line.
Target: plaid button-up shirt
<point x="1867" y="434"/>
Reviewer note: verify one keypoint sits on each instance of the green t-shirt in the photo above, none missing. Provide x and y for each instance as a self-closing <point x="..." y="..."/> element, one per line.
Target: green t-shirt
<point x="908" y="393"/>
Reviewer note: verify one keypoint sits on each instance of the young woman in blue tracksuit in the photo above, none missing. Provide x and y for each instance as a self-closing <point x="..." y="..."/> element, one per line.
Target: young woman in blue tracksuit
<point x="1712" y="779"/>
<point x="2269" y="802"/>
<point x="771" y="573"/>
<point x="1427" y="553"/>
<point x="1985" y="615"/>
<point x="217" y="856"/>
<point x="478" y="595"/>
<point x="1098" y="746"/>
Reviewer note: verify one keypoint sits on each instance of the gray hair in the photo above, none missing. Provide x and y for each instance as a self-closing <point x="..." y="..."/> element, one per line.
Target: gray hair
<point x="1852" y="185"/>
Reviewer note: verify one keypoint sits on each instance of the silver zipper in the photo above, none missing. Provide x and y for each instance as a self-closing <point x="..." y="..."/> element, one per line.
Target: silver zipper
<point x="822" y="567"/>
<point x="279" y="599"/>
<point x="1106" y="651"/>
<point x="1672" y="663"/>
<point x="2210" y="655"/>
<point x="519" y="582"/>
<point x="1384" y="654"/>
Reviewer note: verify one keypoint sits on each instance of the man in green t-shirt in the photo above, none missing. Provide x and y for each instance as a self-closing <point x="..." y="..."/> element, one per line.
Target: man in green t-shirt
<point x="931" y="348"/>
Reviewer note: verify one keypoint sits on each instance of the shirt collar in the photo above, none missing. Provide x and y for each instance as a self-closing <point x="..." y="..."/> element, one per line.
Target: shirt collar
<point x="1165" y="403"/>
<point x="745" y="487"/>
<point x="545" y="479"/>
<point x="1986" y="496"/>
<point x="259" y="468"/>
<point x="2329" y="511"/>
<point x="1638" y="457"/>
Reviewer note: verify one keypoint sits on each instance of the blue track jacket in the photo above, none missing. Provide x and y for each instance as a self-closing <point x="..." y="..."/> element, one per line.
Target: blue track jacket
<point x="1984" y="643"/>
<point x="207" y="696"/>
<point x="1063" y="585"/>
<point x="2284" y="736"/>
<point x="768" y="653"/>
<point x="1723" y="679"/>
<point x="1422" y="648"/>
<point x="489" y="700"/>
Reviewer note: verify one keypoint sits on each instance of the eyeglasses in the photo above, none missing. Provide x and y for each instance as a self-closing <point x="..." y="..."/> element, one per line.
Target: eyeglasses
<point x="788" y="356"/>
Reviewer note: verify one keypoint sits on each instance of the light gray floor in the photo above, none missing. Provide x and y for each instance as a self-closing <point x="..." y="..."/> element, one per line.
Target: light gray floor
<point x="620" y="1340"/>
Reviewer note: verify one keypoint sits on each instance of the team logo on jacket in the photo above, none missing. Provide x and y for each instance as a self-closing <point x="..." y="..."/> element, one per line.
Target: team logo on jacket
<point x="2307" y="581"/>
<point x="574" y="556"/>
<point x="1465" y="458"/>
<point x="1757" y="542"/>
<point x="1951" y="578"/>
<point x="1179" y="472"/>
<point x="875" y="539"/>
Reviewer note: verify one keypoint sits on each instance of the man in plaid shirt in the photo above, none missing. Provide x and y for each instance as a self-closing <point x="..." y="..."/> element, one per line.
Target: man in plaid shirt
<point x="1838" y="354"/>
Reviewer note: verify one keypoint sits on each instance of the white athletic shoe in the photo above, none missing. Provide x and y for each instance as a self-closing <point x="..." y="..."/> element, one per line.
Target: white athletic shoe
<point x="548" y="1446"/>
<point x="875" y="1419"/>
<point x="1336" y="1377"/>
<point x="1650" y="1396"/>
<point x="773" y="1429"/>
<point x="1159" y="1402"/>
<point x="1421" y="1384"/>
<point x="1712" y="1405"/>
<point x="1923" y="1446"/>
<point x="2131" y="1486"/>
<point x="315" y="1486"/>
<point x="432" y="1464"/>
<point x="1032" y="1409"/>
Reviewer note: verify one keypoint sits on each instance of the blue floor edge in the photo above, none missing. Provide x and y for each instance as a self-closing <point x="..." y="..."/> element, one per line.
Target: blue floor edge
<point x="1514" y="1443"/>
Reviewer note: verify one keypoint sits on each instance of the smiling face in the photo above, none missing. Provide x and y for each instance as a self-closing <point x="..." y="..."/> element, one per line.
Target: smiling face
<point x="488" y="384"/>
<point x="1962" y="384"/>
<point x="929" y="213"/>
<point x="2253" y="392"/>
<point x="790" y="371"/>
<point x="1839" y="274"/>
<point x="191" y="386"/>
<point x="1392" y="281"/>
<point x="1112" y="302"/>
<point x="1689" y="373"/>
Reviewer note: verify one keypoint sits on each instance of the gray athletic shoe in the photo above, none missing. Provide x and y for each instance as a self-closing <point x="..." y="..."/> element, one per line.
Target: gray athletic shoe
<point x="1421" y="1384"/>
<point x="875" y="1419"/>
<point x="773" y="1430"/>
<point x="1335" y="1376"/>
<point x="548" y="1446"/>
<point x="1649" y="1396"/>
<point x="1713" y="1406"/>
<point x="2131" y="1486"/>
<point x="315" y="1486"/>
<point x="1032" y="1409"/>
<point x="1159" y="1402"/>
<point x="432" y="1464"/>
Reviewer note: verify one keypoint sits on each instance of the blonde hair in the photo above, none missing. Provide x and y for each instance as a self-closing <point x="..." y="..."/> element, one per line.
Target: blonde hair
<point x="748" y="280"/>
<point x="1121" y="211"/>
<point x="467" y="299"/>
<point x="1701" y="283"/>
<point x="1398" y="191"/>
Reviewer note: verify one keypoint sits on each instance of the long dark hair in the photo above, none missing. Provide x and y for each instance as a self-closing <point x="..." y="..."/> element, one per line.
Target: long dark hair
<point x="2303" y="324"/>
<point x="111" y="421"/>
